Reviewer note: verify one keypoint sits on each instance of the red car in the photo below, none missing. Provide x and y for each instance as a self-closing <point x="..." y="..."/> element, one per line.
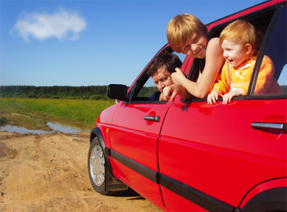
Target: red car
<point x="187" y="155"/>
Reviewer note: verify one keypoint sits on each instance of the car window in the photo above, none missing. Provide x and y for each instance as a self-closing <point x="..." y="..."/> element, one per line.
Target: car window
<point x="145" y="89"/>
<point x="276" y="51"/>
<point x="260" y="20"/>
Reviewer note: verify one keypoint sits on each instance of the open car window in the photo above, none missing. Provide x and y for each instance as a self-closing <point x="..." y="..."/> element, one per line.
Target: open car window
<point x="145" y="90"/>
<point x="260" y="20"/>
<point x="148" y="92"/>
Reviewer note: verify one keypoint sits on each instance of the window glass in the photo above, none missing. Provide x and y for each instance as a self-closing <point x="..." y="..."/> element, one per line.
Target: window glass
<point x="282" y="80"/>
<point x="147" y="90"/>
<point x="276" y="51"/>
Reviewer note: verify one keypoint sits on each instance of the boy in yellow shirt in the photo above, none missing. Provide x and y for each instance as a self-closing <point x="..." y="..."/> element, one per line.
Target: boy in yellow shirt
<point x="240" y="47"/>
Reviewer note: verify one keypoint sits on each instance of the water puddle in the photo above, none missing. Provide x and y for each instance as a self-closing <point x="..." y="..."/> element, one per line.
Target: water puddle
<point x="56" y="127"/>
<point x="64" y="128"/>
<point x="10" y="128"/>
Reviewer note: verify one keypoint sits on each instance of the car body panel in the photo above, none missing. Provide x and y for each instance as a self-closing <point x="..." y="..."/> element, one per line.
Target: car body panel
<point x="175" y="202"/>
<point x="134" y="137"/>
<point x="243" y="160"/>
<point x="137" y="182"/>
<point x="104" y="121"/>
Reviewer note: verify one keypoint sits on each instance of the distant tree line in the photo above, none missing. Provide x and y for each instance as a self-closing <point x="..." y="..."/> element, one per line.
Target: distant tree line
<point x="69" y="92"/>
<point x="57" y="92"/>
<point x="61" y="92"/>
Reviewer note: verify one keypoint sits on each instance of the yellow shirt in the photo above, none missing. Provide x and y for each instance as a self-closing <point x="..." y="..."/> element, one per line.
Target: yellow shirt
<point x="240" y="77"/>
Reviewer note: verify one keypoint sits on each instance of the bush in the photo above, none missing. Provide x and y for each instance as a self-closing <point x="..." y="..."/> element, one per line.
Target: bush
<point x="70" y="97"/>
<point x="98" y="97"/>
<point x="3" y="120"/>
<point x="45" y="96"/>
<point x="32" y="96"/>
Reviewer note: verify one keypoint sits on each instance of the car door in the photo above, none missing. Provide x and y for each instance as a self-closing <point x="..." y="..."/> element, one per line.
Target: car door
<point x="134" y="138"/>
<point x="210" y="156"/>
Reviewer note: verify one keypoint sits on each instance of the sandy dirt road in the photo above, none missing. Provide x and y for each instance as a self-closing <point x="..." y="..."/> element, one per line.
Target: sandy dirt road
<point x="49" y="173"/>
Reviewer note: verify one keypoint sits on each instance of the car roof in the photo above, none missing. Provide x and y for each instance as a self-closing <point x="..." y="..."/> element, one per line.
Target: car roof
<point x="246" y="11"/>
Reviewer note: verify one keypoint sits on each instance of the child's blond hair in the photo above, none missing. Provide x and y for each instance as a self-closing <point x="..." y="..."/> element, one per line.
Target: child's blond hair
<point x="243" y="31"/>
<point x="181" y="28"/>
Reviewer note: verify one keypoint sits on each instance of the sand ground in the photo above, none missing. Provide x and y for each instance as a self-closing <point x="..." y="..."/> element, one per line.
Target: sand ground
<point x="49" y="173"/>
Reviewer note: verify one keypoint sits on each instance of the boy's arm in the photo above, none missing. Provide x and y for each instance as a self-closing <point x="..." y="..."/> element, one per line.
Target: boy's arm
<point x="214" y="58"/>
<point x="169" y="92"/>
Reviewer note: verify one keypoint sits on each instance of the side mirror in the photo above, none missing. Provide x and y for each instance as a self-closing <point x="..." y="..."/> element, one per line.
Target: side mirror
<point x="117" y="91"/>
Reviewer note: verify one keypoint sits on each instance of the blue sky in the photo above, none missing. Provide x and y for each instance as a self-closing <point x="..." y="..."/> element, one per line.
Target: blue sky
<point x="90" y="42"/>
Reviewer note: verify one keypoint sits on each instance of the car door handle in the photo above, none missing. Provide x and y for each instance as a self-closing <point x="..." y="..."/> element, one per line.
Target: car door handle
<point x="152" y="118"/>
<point x="275" y="126"/>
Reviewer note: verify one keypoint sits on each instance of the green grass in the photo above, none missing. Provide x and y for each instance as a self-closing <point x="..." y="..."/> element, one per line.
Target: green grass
<point x="34" y="113"/>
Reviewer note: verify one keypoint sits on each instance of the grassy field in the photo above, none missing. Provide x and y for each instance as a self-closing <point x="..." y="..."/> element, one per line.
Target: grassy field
<point x="34" y="113"/>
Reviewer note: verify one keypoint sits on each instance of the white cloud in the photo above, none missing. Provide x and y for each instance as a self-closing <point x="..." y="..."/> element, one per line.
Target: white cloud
<point x="61" y="25"/>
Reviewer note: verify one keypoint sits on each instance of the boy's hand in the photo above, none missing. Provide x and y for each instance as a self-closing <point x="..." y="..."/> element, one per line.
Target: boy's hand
<point x="169" y="92"/>
<point x="228" y="96"/>
<point x="177" y="76"/>
<point x="212" y="97"/>
<point x="161" y="97"/>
